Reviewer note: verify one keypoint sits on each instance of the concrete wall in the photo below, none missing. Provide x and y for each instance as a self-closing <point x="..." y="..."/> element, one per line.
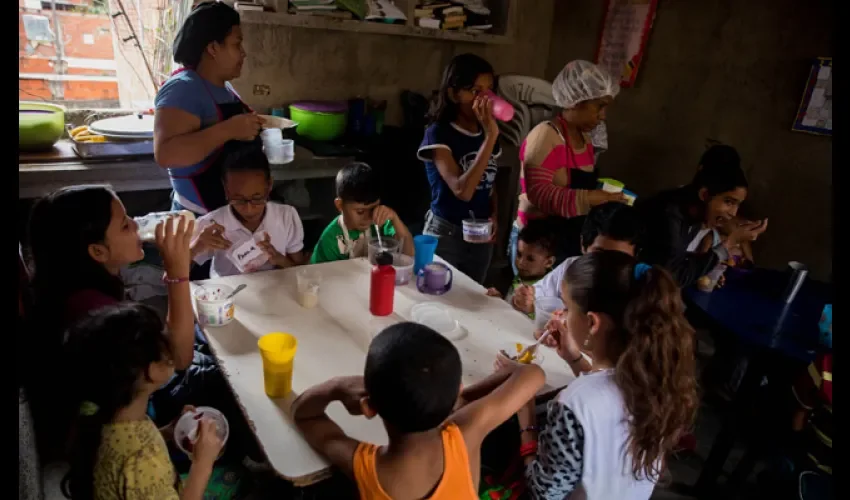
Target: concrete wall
<point x="299" y="64"/>
<point x="732" y="71"/>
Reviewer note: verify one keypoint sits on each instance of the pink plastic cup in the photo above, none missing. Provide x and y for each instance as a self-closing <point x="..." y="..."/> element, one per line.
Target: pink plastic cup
<point x="502" y="109"/>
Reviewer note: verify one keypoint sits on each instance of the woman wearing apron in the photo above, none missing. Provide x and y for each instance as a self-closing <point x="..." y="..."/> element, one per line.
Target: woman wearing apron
<point x="199" y="117"/>
<point x="559" y="179"/>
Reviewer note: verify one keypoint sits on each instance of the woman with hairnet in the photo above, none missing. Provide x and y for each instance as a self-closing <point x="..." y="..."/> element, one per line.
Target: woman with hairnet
<point x="199" y="117"/>
<point x="558" y="179"/>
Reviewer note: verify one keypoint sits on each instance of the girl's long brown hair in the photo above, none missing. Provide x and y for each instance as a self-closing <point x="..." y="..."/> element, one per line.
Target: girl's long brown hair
<point x="653" y="348"/>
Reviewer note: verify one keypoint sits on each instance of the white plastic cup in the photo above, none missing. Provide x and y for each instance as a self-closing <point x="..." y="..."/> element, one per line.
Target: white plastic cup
<point x="385" y="244"/>
<point x="274" y="153"/>
<point x="272" y="136"/>
<point x="288" y="146"/>
<point x="403" y="265"/>
<point x="544" y="307"/>
<point x="147" y="224"/>
<point x="308" y="281"/>
<point x="477" y="231"/>
<point x="214" y="308"/>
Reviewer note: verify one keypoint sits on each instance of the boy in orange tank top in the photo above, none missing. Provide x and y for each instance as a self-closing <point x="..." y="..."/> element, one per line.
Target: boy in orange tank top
<point x="412" y="381"/>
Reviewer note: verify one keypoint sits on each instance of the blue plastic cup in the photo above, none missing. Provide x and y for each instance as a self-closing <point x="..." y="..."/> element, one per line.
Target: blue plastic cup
<point x="424" y="246"/>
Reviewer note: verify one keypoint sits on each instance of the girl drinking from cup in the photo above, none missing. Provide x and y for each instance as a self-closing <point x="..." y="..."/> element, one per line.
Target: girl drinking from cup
<point x="608" y="432"/>
<point x="459" y="150"/>
<point x="80" y="238"/>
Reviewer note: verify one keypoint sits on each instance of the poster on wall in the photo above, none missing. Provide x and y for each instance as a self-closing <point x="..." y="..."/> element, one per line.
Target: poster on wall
<point x="625" y="30"/>
<point x="814" y="115"/>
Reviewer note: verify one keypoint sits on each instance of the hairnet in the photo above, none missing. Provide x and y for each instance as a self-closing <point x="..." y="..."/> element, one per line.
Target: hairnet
<point x="582" y="81"/>
<point x="208" y="22"/>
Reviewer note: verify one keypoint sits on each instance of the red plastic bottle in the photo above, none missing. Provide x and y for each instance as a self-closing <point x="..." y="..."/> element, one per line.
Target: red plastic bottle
<point x="382" y="288"/>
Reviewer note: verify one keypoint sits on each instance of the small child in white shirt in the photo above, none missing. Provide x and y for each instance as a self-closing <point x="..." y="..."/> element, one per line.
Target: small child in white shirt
<point x="535" y="257"/>
<point x="250" y="233"/>
<point x="610" y="226"/>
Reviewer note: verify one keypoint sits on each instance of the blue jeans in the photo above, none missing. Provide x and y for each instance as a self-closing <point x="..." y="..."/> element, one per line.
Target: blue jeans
<point x="472" y="259"/>
<point x="513" y="241"/>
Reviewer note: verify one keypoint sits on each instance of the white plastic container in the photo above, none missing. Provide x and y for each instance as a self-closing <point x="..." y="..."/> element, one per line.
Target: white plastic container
<point x="477" y="231"/>
<point x="403" y="265"/>
<point x="385" y="244"/>
<point x="214" y="308"/>
<point x="186" y="428"/>
<point x="147" y="224"/>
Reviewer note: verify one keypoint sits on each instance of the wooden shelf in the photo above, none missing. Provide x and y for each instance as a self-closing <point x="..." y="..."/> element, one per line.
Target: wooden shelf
<point x="356" y="26"/>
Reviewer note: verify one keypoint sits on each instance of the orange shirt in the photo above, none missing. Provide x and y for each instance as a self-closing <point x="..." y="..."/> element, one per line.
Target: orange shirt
<point x="456" y="483"/>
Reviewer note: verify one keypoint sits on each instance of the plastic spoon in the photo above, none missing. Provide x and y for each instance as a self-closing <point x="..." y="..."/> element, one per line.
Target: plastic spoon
<point x="238" y="289"/>
<point x="472" y="214"/>
<point x="378" y="234"/>
<point x="533" y="347"/>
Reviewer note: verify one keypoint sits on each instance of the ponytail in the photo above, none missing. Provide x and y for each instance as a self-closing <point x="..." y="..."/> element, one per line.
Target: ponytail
<point x="109" y="353"/>
<point x="78" y="483"/>
<point x="653" y="345"/>
<point x="656" y="371"/>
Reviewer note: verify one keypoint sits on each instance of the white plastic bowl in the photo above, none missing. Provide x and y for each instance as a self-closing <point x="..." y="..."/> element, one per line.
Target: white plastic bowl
<point x="435" y="316"/>
<point x="186" y="429"/>
<point x="511" y="351"/>
<point x="213" y="308"/>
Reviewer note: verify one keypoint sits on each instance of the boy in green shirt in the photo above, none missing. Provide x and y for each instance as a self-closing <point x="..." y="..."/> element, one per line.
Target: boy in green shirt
<point x="359" y="205"/>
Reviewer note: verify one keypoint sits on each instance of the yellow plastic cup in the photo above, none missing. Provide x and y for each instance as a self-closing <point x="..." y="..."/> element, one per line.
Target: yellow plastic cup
<point x="278" y="353"/>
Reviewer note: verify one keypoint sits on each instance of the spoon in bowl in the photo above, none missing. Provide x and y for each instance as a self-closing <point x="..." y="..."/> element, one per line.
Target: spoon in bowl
<point x="239" y="289"/>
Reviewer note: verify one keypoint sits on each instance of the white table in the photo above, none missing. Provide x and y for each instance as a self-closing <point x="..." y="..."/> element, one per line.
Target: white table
<point x="333" y="339"/>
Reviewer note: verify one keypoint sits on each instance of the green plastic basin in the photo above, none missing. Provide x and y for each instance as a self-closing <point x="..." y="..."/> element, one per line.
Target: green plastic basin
<point x="40" y="125"/>
<point x="317" y="125"/>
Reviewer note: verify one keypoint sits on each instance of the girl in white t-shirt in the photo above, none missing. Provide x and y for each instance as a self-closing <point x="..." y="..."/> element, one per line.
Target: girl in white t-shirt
<point x="609" y="431"/>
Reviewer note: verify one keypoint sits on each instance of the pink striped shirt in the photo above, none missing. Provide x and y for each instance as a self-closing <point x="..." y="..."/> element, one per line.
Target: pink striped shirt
<point x="547" y="163"/>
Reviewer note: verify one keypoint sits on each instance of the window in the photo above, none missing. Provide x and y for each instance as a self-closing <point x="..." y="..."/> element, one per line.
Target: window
<point x="37" y="28"/>
<point x="97" y="53"/>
